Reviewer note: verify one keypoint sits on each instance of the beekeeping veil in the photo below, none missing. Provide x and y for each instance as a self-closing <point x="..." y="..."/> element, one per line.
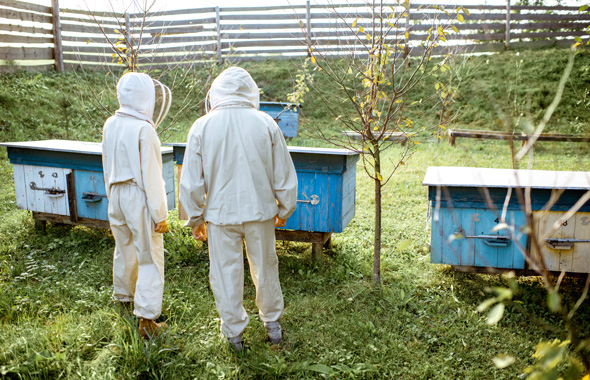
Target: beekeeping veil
<point x="233" y="87"/>
<point x="143" y="98"/>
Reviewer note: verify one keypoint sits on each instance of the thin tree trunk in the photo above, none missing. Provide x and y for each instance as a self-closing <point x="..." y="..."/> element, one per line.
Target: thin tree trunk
<point x="377" y="241"/>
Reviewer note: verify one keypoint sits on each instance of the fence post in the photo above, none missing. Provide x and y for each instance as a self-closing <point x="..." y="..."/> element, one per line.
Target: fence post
<point x="308" y="27"/>
<point x="218" y="20"/>
<point x="407" y="45"/>
<point x="58" y="47"/>
<point x="507" y="42"/>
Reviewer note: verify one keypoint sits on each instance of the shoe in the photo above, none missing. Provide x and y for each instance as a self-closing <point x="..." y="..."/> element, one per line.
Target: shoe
<point x="274" y="331"/>
<point x="148" y="328"/>
<point x="236" y="343"/>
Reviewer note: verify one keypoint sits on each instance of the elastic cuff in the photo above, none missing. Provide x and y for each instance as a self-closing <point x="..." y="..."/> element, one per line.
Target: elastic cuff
<point x="193" y="222"/>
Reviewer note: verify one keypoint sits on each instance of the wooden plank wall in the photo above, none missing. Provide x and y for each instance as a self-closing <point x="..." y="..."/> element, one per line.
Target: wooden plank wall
<point x="189" y="36"/>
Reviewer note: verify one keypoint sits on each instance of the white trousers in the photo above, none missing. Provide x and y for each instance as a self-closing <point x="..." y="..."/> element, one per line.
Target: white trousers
<point x="138" y="262"/>
<point x="227" y="273"/>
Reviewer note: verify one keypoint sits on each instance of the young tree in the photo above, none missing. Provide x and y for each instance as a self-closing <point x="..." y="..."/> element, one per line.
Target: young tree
<point x="561" y="358"/>
<point x="377" y="64"/>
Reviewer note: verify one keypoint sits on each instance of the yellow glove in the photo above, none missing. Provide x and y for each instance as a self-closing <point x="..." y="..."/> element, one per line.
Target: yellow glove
<point x="162" y="227"/>
<point x="200" y="232"/>
<point x="280" y="222"/>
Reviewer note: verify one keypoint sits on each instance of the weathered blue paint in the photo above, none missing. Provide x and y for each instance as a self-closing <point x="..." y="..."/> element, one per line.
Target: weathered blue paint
<point x="471" y="203"/>
<point x="91" y="201"/>
<point x="285" y="114"/>
<point x="454" y="238"/>
<point x="85" y="160"/>
<point x="476" y="198"/>
<point x="55" y="159"/>
<point x="328" y="174"/>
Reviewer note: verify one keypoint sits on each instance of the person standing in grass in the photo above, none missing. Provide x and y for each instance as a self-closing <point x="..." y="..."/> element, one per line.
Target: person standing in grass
<point x="138" y="211"/>
<point x="238" y="177"/>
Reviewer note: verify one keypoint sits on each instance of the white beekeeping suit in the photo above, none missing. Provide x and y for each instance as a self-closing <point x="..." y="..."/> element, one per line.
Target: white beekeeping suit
<point x="132" y="165"/>
<point x="237" y="176"/>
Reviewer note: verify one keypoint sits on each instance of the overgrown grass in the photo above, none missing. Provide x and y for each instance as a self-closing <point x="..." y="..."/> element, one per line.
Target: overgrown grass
<point x="57" y="319"/>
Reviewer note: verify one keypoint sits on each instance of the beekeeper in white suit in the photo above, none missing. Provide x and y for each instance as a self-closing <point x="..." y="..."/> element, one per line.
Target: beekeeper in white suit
<point x="132" y="165"/>
<point x="238" y="177"/>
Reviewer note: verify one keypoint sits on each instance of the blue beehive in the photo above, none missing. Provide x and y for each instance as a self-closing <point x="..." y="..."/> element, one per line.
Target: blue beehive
<point x="327" y="186"/>
<point x="467" y="204"/>
<point x="285" y="114"/>
<point x="63" y="181"/>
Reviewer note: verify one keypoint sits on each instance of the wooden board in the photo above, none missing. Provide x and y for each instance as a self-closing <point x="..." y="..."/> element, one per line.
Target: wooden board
<point x="66" y="220"/>
<point x="25" y="53"/>
<point x="577" y="258"/>
<point x="24" y="16"/>
<point x="27" y="177"/>
<point x="25" y="6"/>
<point x="467" y="237"/>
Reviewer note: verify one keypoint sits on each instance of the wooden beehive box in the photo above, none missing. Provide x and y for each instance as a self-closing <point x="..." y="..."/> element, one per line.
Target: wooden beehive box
<point x="285" y="114"/>
<point x="63" y="181"/>
<point x="466" y="206"/>
<point x="327" y="186"/>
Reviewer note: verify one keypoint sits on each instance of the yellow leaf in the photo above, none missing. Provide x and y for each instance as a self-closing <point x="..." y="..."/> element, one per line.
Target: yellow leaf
<point x="379" y="177"/>
<point x="313" y="60"/>
<point x="398" y="101"/>
<point x="354" y="22"/>
<point x="376" y="128"/>
<point x="117" y="31"/>
<point x="587" y="377"/>
<point x="407" y="35"/>
<point x="455" y="29"/>
<point x="460" y="17"/>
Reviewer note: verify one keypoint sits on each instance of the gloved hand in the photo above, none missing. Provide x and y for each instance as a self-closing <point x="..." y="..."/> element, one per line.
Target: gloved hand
<point x="280" y="222"/>
<point x="162" y="227"/>
<point x="200" y="232"/>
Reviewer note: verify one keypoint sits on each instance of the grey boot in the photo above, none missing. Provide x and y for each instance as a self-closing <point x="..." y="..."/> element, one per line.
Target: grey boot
<point x="274" y="331"/>
<point x="236" y="343"/>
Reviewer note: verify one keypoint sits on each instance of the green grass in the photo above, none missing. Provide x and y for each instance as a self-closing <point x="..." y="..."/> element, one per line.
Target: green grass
<point x="57" y="319"/>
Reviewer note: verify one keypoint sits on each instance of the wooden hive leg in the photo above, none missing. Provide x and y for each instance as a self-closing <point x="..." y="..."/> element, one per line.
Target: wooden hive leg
<point x="316" y="252"/>
<point x="40" y="224"/>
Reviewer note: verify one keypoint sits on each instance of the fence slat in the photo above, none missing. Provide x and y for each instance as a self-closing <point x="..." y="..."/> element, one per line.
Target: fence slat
<point x="25" y="29"/>
<point x="14" y="39"/>
<point x="85" y="12"/>
<point x="88" y="58"/>
<point x="25" y="53"/>
<point x="182" y="30"/>
<point x="25" y="6"/>
<point x="80" y="28"/>
<point x="24" y="16"/>
<point x="162" y="24"/>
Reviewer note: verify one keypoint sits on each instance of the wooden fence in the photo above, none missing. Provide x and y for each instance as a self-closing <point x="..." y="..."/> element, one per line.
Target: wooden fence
<point x="38" y="37"/>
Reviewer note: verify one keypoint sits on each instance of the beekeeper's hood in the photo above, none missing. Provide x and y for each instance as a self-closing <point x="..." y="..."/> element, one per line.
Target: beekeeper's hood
<point x="233" y="87"/>
<point x="137" y="96"/>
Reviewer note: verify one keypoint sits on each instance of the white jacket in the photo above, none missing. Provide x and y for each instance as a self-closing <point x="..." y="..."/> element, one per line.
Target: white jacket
<point x="130" y="145"/>
<point x="236" y="166"/>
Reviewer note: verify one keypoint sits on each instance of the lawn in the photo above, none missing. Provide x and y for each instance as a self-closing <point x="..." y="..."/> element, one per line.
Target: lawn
<point x="58" y="319"/>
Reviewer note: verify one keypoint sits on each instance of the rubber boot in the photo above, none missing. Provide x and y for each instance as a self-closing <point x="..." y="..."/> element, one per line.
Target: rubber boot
<point x="274" y="331"/>
<point x="148" y="328"/>
<point x="236" y="343"/>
